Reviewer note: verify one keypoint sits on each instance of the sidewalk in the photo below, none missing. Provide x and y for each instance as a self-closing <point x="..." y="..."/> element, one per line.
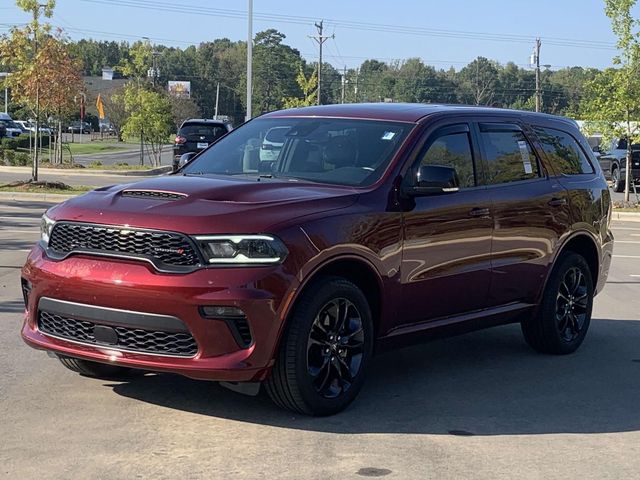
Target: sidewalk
<point x="89" y="171"/>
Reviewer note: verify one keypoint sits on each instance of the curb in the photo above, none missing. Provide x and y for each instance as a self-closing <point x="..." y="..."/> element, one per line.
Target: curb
<point x="36" y="197"/>
<point x="90" y="171"/>
<point x="625" y="216"/>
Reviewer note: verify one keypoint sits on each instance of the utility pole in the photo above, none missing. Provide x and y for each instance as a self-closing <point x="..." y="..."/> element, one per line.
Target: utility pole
<point x="344" y="81"/>
<point x="355" y="90"/>
<point x="536" y="61"/>
<point x="320" y="39"/>
<point x="249" y="60"/>
<point x="215" y="115"/>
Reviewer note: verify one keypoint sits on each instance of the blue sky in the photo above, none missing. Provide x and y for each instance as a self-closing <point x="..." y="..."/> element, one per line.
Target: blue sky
<point x="449" y="33"/>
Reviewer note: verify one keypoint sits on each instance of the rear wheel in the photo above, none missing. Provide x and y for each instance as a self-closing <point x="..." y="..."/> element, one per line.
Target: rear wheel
<point x="564" y="316"/>
<point x="93" y="369"/>
<point x="325" y="350"/>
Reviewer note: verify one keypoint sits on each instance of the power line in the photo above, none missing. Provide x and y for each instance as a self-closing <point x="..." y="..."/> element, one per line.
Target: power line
<point x="366" y="26"/>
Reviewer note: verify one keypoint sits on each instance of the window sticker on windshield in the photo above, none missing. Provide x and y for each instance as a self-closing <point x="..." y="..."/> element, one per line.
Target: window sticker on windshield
<point x="524" y="153"/>
<point x="388" y="135"/>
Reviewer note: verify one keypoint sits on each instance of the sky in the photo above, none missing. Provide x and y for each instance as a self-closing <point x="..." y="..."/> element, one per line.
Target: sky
<point x="442" y="33"/>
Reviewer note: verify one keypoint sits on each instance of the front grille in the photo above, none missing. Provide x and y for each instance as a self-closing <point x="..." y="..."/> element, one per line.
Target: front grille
<point x="168" y="248"/>
<point x="180" y="344"/>
<point x="153" y="194"/>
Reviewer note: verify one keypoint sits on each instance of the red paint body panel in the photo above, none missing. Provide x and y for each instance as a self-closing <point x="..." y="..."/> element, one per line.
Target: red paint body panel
<point x="433" y="264"/>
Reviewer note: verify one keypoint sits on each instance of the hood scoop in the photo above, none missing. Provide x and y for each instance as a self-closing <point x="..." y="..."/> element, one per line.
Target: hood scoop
<point x="154" y="194"/>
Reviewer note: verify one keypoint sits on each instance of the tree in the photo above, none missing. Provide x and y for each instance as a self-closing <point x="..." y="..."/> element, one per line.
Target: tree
<point x="182" y="109"/>
<point x="116" y="110"/>
<point x="613" y="96"/>
<point x="149" y="117"/>
<point x="309" y="87"/>
<point x="479" y="80"/>
<point x="20" y="51"/>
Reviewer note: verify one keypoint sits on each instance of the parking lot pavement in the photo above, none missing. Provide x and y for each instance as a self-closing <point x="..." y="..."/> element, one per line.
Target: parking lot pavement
<point x="481" y="405"/>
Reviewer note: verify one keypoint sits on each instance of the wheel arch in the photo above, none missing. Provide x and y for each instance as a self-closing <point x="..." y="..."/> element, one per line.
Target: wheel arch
<point x="583" y="244"/>
<point x="358" y="270"/>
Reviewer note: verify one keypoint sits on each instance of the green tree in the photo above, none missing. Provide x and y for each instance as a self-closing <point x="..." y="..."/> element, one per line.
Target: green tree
<point x="149" y="118"/>
<point x="613" y="96"/>
<point x="479" y="82"/>
<point x="309" y="87"/>
<point x="22" y="52"/>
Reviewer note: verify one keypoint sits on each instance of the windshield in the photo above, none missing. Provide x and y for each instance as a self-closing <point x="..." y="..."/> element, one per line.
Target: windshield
<point x="326" y="150"/>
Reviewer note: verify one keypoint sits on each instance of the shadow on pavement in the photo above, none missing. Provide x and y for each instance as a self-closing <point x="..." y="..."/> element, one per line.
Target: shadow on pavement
<point x="12" y="306"/>
<point x="485" y="383"/>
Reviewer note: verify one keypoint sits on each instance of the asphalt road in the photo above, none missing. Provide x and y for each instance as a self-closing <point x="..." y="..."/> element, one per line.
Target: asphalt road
<point x="480" y="406"/>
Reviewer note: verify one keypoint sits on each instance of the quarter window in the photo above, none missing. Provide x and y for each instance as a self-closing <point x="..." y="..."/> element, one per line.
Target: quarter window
<point x="509" y="157"/>
<point x="453" y="151"/>
<point x="563" y="151"/>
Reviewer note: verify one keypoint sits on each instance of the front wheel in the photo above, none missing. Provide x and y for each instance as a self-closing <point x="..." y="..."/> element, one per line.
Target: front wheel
<point x="563" y="318"/>
<point x="325" y="350"/>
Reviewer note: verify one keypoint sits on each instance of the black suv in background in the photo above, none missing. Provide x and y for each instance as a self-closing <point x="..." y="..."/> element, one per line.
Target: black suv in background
<point x="197" y="134"/>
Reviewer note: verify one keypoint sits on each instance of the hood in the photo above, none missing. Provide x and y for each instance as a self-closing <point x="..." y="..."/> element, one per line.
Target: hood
<point x="201" y="205"/>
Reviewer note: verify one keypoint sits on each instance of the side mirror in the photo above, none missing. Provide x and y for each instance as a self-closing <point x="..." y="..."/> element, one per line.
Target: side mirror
<point x="434" y="180"/>
<point x="185" y="158"/>
<point x="596" y="149"/>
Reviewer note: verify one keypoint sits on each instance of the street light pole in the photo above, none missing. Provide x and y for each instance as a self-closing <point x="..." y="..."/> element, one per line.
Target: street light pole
<point x="249" y="60"/>
<point x="6" y="91"/>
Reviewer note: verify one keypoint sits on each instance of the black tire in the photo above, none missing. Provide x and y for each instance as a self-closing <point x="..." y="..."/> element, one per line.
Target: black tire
<point x="618" y="183"/>
<point x="562" y="320"/>
<point x="312" y="342"/>
<point x="94" y="369"/>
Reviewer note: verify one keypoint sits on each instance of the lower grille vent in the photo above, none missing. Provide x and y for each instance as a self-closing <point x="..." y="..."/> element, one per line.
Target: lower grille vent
<point x="180" y="344"/>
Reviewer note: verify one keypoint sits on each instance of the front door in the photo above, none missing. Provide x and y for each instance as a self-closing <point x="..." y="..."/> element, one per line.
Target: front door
<point x="446" y="266"/>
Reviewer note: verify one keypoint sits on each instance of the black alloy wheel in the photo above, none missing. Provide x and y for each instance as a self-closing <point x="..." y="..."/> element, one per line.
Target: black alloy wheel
<point x="571" y="304"/>
<point x="560" y="323"/>
<point x="335" y="347"/>
<point x="325" y="349"/>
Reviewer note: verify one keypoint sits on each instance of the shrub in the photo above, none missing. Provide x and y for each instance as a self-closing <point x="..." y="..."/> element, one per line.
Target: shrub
<point x="95" y="164"/>
<point x="21" y="159"/>
<point x="9" y="157"/>
<point x="9" y="143"/>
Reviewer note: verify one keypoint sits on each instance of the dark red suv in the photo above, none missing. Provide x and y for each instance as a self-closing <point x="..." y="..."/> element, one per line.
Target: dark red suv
<point x="374" y="226"/>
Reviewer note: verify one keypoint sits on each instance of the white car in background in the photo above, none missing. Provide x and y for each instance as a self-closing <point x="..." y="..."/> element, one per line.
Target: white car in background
<point x="272" y="144"/>
<point x="27" y="126"/>
<point x="12" y="129"/>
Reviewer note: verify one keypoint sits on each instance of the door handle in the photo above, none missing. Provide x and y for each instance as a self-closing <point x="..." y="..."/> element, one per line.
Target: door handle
<point x="479" y="212"/>
<point x="557" y="202"/>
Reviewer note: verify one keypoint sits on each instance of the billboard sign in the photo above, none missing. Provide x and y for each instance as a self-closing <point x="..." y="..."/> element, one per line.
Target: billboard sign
<point x="179" y="89"/>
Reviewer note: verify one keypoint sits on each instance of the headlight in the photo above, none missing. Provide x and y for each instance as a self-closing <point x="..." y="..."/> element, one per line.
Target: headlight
<point x="242" y="249"/>
<point x="46" y="225"/>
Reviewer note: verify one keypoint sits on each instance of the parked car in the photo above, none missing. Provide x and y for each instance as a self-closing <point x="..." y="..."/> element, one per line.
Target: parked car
<point x="272" y="144"/>
<point x="11" y="128"/>
<point x="377" y="226"/>
<point x="26" y="126"/>
<point x="195" y="135"/>
<point x="614" y="163"/>
<point x="79" y="127"/>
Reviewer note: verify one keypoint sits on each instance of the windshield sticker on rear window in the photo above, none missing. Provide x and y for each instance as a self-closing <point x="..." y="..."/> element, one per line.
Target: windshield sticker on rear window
<point x="524" y="153"/>
<point x="388" y="135"/>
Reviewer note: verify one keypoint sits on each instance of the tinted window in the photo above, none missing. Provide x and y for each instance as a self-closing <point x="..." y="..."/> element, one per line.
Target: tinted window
<point x="509" y="157"/>
<point x="563" y="151"/>
<point x="453" y="151"/>
<point x="211" y="132"/>
<point x="327" y="150"/>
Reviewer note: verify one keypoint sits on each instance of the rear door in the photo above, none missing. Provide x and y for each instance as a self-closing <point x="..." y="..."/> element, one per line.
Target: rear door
<point x="445" y="269"/>
<point x="530" y="211"/>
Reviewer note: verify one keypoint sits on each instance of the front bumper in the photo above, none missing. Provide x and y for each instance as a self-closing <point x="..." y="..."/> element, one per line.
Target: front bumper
<point x="115" y="285"/>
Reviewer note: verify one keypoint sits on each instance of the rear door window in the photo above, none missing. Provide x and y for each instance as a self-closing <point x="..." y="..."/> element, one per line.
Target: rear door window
<point x="508" y="155"/>
<point x="563" y="151"/>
